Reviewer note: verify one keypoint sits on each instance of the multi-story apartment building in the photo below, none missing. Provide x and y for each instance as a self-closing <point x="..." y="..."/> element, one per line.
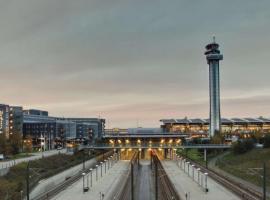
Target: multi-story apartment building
<point x="4" y="120"/>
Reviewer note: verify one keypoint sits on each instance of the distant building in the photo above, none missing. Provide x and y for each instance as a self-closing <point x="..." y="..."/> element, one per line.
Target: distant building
<point x="4" y="120"/>
<point x="96" y="125"/>
<point x="38" y="124"/>
<point x="36" y="112"/>
<point x="233" y="125"/>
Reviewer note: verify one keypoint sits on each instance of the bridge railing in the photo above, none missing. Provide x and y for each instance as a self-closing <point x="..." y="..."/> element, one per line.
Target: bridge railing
<point x="157" y="146"/>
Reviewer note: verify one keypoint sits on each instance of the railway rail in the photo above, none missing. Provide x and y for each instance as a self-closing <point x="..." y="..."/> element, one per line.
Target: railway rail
<point x="239" y="189"/>
<point x="126" y="187"/>
<point x="164" y="188"/>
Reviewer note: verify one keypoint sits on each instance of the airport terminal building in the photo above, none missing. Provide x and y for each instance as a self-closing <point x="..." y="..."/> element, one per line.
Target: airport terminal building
<point x="233" y="125"/>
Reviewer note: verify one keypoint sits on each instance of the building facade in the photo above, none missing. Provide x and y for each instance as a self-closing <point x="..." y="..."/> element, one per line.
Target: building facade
<point x="201" y="126"/>
<point x="4" y="120"/>
<point x="16" y="120"/>
<point x="94" y="125"/>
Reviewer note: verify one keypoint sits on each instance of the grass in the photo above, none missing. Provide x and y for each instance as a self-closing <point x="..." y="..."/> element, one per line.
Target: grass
<point x="14" y="182"/>
<point x="198" y="155"/>
<point x="247" y="166"/>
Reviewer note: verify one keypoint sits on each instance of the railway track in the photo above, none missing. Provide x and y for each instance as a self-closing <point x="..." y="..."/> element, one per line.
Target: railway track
<point x="240" y="190"/>
<point x="126" y="189"/>
<point x="164" y="188"/>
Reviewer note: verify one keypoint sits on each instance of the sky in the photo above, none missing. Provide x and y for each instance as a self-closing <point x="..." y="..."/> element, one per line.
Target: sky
<point x="134" y="62"/>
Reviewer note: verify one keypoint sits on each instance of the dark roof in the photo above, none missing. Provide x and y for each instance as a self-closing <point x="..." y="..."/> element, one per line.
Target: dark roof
<point x="247" y="120"/>
<point x="168" y="121"/>
<point x="184" y="121"/>
<point x="198" y="121"/>
<point x="239" y="120"/>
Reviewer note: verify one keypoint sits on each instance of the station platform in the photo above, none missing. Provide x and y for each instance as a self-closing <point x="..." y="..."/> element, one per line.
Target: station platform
<point x="103" y="188"/>
<point x="188" y="187"/>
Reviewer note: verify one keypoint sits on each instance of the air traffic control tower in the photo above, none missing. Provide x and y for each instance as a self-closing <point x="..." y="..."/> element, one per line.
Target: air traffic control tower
<point x="213" y="57"/>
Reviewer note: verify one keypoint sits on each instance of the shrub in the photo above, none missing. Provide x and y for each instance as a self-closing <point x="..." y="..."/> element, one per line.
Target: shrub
<point x="243" y="146"/>
<point x="266" y="141"/>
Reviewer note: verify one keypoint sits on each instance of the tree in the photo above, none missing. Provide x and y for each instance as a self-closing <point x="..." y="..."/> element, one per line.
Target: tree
<point x="15" y="142"/>
<point x="2" y="143"/>
<point x="266" y="141"/>
<point x="242" y="146"/>
<point x="218" y="138"/>
<point x="27" y="143"/>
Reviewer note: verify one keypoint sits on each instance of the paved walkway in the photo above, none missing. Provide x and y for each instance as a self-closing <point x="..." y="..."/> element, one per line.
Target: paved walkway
<point x="105" y="185"/>
<point x="35" y="156"/>
<point x="185" y="184"/>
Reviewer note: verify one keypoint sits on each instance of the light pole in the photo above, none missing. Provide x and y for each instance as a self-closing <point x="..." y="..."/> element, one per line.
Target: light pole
<point x="193" y="172"/>
<point x="27" y="181"/>
<point x="96" y="172"/>
<point x="264" y="181"/>
<point x="83" y="174"/>
<point x="188" y="167"/>
<point x="206" y="189"/>
<point x="198" y="175"/>
<point x="105" y="165"/>
<point x="91" y="174"/>
<point x="101" y="168"/>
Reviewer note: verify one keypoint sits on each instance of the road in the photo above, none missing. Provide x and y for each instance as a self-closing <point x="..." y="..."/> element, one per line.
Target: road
<point x="144" y="184"/>
<point x="35" y="156"/>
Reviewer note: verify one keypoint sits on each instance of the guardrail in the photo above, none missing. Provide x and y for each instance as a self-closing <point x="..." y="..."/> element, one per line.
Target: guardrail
<point x="158" y="146"/>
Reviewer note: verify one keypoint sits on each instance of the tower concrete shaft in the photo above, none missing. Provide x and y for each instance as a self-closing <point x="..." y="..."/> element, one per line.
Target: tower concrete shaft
<point x="213" y="57"/>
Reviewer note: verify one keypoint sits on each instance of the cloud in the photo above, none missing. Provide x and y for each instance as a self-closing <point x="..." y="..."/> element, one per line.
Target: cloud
<point x="100" y="55"/>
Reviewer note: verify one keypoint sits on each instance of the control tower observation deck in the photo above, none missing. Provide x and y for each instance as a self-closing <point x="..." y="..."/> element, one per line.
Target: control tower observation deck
<point x="213" y="57"/>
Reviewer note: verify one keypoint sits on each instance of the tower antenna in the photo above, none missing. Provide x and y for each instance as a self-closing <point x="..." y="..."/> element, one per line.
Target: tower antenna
<point x="214" y="39"/>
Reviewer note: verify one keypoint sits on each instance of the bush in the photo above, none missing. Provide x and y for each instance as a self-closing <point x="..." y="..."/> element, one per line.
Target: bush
<point x="266" y="141"/>
<point x="243" y="146"/>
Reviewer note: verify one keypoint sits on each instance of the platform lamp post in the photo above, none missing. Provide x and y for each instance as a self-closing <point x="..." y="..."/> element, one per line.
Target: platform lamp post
<point x="101" y="168"/>
<point x="91" y="174"/>
<point x="264" y="181"/>
<point x="27" y="181"/>
<point x="205" y="176"/>
<point x="105" y="165"/>
<point x="193" y="172"/>
<point x="96" y="172"/>
<point x="83" y="160"/>
<point x="188" y="167"/>
<point x="83" y="175"/>
<point x="198" y="175"/>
